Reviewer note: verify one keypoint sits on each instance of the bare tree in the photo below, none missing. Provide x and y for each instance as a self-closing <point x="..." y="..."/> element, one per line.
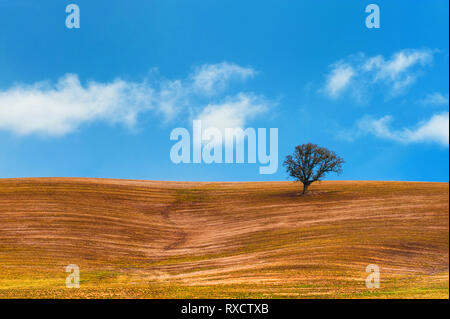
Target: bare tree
<point x="309" y="163"/>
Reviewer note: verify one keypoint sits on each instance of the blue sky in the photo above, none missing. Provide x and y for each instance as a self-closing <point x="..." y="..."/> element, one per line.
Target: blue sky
<point x="101" y="100"/>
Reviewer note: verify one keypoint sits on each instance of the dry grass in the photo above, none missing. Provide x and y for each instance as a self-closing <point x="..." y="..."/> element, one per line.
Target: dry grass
<point x="141" y="239"/>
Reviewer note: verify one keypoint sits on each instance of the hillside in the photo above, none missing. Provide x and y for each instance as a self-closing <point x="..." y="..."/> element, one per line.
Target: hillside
<point x="145" y="239"/>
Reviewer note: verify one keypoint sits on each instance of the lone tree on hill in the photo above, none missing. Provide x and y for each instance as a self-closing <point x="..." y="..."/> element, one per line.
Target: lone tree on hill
<point x="309" y="163"/>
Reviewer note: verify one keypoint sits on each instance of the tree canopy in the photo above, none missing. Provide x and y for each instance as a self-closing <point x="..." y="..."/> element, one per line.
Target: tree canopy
<point x="310" y="163"/>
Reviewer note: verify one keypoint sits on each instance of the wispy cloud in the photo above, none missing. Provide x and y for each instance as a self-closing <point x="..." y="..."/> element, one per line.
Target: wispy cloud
<point x="338" y="79"/>
<point x="59" y="108"/>
<point x="433" y="130"/>
<point x="212" y="79"/>
<point x="359" y="74"/>
<point x="435" y="99"/>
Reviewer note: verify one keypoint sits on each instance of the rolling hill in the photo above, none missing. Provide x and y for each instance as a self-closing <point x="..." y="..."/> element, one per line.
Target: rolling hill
<point x="147" y="239"/>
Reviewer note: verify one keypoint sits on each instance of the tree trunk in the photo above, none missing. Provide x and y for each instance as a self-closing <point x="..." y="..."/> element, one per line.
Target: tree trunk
<point x="305" y="187"/>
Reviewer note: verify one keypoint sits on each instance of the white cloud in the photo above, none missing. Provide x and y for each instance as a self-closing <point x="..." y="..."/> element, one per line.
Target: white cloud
<point x="436" y="99"/>
<point x="56" y="109"/>
<point x="433" y="130"/>
<point x="211" y="79"/>
<point x="397" y="66"/>
<point x="170" y="98"/>
<point x="358" y="74"/>
<point x="234" y="112"/>
<point x="338" y="79"/>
